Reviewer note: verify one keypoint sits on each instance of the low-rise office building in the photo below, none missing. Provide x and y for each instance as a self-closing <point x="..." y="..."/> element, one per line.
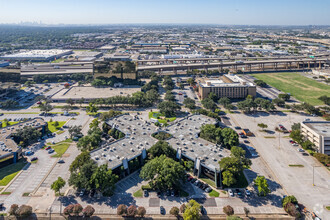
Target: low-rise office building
<point x="230" y="86"/>
<point x="318" y="132"/>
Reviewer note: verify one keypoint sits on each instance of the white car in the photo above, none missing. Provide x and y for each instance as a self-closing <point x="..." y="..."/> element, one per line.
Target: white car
<point x="231" y="193"/>
<point x="295" y="145"/>
<point x="300" y="150"/>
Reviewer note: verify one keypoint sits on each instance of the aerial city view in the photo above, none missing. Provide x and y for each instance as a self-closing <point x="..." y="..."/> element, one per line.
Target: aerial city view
<point x="165" y="109"/>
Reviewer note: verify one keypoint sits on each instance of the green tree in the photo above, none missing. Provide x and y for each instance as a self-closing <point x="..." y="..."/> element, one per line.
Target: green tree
<point x="174" y="211"/>
<point x="45" y="107"/>
<point x="191" y="81"/>
<point x="262" y="125"/>
<point x="213" y="96"/>
<point x="209" y="104"/>
<point x="169" y="96"/>
<point x="103" y="180"/>
<point x="189" y="103"/>
<point x="91" y="108"/>
<point x="79" y="161"/>
<point x="192" y="211"/>
<point x="80" y="179"/>
<point x="228" y="178"/>
<point x="230" y="137"/>
<point x="163" y="173"/>
<point x="162" y="148"/>
<point x="224" y="101"/>
<point x="70" y="102"/>
<point x="289" y="199"/>
<point x="58" y="184"/>
<point x="262" y="184"/>
<point x="297" y="136"/>
<point x="75" y="131"/>
<point x="168" y="108"/>
<point x="284" y="96"/>
<point x="152" y="95"/>
<point x="279" y="102"/>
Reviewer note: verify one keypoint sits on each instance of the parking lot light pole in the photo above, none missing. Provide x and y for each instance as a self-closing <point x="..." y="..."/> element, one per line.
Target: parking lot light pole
<point x="313" y="173"/>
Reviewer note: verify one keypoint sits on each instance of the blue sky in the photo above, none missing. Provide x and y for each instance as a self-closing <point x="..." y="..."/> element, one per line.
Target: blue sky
<point x="250" y="12"/>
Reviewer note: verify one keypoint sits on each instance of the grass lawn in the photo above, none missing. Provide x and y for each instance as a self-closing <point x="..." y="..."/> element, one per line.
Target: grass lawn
<point x="9" y="123"/>
<point x="61" y="147"/>
<point x="328" y="208"/>
<point x="214" y="193"/>
<point x="157" y="114"/>
<point x="9" y="172"/>
<point x="52" y="128"/>
<point x="301" y="87"/>
<point x="58" y="60"/>
<point x="5" y="193"/>
<point x="138" y="193"/>
<point x="209" y="181"/>
<point x="296" y="165"/>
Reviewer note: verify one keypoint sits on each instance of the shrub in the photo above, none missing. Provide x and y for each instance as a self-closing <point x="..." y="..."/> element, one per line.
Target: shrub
<point x="88" y="211"/>
<point x="13" y="209"/>
<point x="291" y="209"/>
<point x="289" y="199"/>
<point x="131" y="210"/>
<point x="174" y="211"/>
<point x="121" y="209"/>
<point x="182" y="208"/>
<point x="77" y="208"/>
<point x="323" y="158"/>
<point x="141" y="211"/>
<point x="24" y="211"/>
<point x="68" y="210"/>
<point x="228" y="210"/>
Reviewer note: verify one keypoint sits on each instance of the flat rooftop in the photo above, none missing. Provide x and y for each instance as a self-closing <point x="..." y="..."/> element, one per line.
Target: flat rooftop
<point x="226" y="80"/>
<point x="320" y="127"/>
<point x="138" y="136"/>
<point x="89" y="92"/>
<point x="37" y="53"/>
<point x="7" y="145"/>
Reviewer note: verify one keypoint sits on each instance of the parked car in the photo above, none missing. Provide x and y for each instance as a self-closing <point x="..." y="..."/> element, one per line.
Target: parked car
<point x="238" y="128"/>
<point x="34" y="159"/>
<point x="61" y="161"/>
<point x="305" y="154"/>
<point x="203" y="211"/>
<point x="82" y="192"/>
<point x="172" y="193"/>
<point x="231" y="193"/>
<point x="238" y="192"/>
<point x="208" y="189"/>
<point x="51" y="151"/>
<point x="300" y="150"/>
<point x="162" y="210"/>
<point x="145" y="193"/>
<point x="47" y="148"/>
<point x="193" y="180"/>
<point x="247" y="192"/>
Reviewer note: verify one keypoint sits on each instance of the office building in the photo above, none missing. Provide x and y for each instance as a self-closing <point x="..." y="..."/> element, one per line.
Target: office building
<point x="318" y="132"/>
<point x="230" y="86"/>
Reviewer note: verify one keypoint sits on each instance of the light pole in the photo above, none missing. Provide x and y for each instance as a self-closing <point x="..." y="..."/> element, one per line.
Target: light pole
<point x="313" y="173"/>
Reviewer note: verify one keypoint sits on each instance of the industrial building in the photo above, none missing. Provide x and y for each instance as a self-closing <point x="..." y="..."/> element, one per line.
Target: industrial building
<point x="318" y="132"/>
<point x="37" y="55"/>
<point x="228" y="85"/>
<point x="64" y="68"/>
<point x="4" y="64"/>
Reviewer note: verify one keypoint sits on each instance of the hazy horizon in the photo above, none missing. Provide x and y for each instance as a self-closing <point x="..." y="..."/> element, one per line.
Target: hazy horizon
<point x="208" y="12"/>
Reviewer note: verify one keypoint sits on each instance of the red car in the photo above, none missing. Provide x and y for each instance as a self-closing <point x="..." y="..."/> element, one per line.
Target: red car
<point x="39" y="103"/>
<point x="47" y="148"/>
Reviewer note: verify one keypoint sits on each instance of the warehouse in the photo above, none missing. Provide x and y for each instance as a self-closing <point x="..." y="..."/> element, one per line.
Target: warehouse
<point x="37" y="55"/>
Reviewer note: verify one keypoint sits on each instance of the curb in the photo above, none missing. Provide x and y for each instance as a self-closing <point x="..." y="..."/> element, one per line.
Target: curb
<point x="4" y="189"/>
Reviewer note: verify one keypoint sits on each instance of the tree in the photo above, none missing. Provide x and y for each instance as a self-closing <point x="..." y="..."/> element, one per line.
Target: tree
<point x="75" y="131"/>
<point x="230" y="137"/>
<point x="103" y="180"/>
<point x="58" y="184"/>
<point x="168" y="108"/>
<point x="79" y="161"/>
<point x="174" y="211"/>
<point x="169" y="96"/>
<point x="183" y="208"/>
<point x="24" y="211"/>
<point x="261" y="183"/>
<point x="163" y="172"/>
<point x="213" y="96"/>
<point x="297" y="136"/>
<point x="141" y="211"/>
<point x="91" y="108"/>
<point x="189" y="103"/>
<point x="77" y="209"/>
<point x="70" y="102"/>
<point x="152" y="96"/>
<point x="262" y="125"/>
<point x="279" y="102"/>
<point x="246" y="211"/>
<point x="224" y="101"/>
<point x="121" y="209"/>
<point x="26" y="136"/>
<point x="192" y="211"/>
<point x="68" y="210"/>
<point x="289" y="199"/>
<point x="260" y="83"/>
<point x="13" y="209"/>
<point x="295" y="126"/>
<point x="228" y="210"/>
<point x="284" y="96"/>
<point x="162" y="148"/>
<point x="80" y="179"/>
<point x="81" y="101"/>
<point x="88" y="211"/>
<point x="191" y="81"/>
<point x="131" y="210"/>
<point x="291" y="209"/>
<point x="209" y="104"/>
<point x="228" y="178"/>
<point x="45" y="107"/>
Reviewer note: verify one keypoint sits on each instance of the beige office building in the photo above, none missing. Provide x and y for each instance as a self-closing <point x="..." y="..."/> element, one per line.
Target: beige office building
<point x="228" y="85"/>
<point x="317" y="132"/>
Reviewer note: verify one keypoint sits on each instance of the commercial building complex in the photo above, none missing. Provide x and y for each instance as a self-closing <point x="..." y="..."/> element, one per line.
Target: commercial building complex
<point x="230" y="86"/>
<point x="37" y="55"/>
<point x="119" y="154"/>
<point x="10" y="152"/>
<point x="318" y="132"/>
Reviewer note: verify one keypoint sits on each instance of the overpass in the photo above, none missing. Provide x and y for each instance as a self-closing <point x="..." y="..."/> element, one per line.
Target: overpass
<point x="245" y="66"/>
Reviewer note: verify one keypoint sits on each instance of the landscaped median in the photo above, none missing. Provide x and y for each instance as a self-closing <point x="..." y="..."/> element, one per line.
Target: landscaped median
<point x="54" y="126"/>
<point x="60" y="147"/>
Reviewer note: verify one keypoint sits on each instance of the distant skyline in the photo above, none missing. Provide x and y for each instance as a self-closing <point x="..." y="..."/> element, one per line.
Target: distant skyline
<point x="230" y="12"/>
